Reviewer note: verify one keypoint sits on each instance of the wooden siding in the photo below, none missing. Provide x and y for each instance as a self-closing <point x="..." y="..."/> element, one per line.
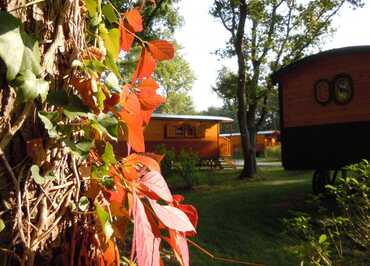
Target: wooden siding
<point x="205" y="144"/>
<point x="299" y="105"/>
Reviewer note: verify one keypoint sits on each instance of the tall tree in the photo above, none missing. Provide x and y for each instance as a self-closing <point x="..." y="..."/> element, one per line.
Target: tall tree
<point x="265" y="35"/>
<point x="176" y="79"/>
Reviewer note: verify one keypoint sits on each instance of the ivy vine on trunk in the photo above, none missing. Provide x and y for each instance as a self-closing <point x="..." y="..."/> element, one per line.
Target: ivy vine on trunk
<point x="77" y="187"/>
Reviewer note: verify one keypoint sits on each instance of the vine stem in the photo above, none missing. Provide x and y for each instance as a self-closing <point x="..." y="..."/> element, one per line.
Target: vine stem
<point x="209" y="254"/>
<point x="27" y="5"/>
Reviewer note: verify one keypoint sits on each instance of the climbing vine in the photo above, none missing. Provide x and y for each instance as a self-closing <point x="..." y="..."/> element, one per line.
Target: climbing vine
<point x="78" y="186"/>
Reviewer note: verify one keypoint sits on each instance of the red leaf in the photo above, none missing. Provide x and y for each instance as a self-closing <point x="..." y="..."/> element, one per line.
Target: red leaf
<point x="149" y="99"/>
<point x="86" y="88"/>
<point x="127" y="36"/>
<point x="172" y="217"/>
<point x="192" y="214"/>
<point x="155" y="182"/>
<point x="110" y="102"/>
<point x="178" y="198"/>
<point x="148" y="84"/>
<point x="179" y="245"/>
<point x="131" y="115"/>
<point x="134" y="19"/>
<point x="111" y="254"/>
<point x="158" y="158"/>
<point x="145" y="66"/>
<point x="146" y="116"/>
<point x="161" y="50"/>
<point x="145" y="242"/>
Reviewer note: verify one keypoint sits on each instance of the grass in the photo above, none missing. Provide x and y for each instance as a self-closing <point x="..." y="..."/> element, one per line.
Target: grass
<point x="243" y="219"/>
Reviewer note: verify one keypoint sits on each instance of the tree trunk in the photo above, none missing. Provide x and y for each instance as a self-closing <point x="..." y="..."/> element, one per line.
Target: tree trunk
<point x="248" y="169"/>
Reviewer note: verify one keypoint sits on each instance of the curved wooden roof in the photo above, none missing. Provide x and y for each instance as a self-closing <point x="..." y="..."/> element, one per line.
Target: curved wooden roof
<point x="193" y="117"/>
<point x="333" y="52"/>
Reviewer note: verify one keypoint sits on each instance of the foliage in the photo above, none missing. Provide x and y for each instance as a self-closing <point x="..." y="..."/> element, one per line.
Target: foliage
<point x="167" y="161"/>
<point x="339" y="232"/>
<point x="273" y="152"/>
<point x="175" y="76"/>
<point x="82" y="184"/>
<point x="184" y="165"/>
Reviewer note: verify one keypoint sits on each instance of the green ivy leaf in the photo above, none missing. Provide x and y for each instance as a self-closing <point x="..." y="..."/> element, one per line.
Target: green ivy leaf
<point x="31" y="87"/>
<point x="108" y="156"/>
<point x="52" y="131"/>
<point x="31" y="56"/>
<point x="110" y="123"/>
<point x="111" y="40"/>
<point x="322" y="238"/>
<point x="112" y="82"/>
<point x="111" y="64"/>
<point x="92" y="7"/>
<point x="109" y="13"/>
<point x="83" y="203"/>
<point x="2" y="225"/>
<point x="100" y="97"/>
<point x="35" y="174"/>
<point x="103" y="217"/>
<point x="11" y="44"/>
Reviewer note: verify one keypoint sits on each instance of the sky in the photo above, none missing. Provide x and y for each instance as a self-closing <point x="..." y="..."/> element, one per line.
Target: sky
<point x="202" y="35"/>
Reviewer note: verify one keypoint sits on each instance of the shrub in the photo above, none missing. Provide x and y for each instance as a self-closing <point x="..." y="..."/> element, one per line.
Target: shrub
<point x="186" y="166"/>
<point x="167" y="162"/>
<point x="273" y="152"/>
<point x="339" y="233"/>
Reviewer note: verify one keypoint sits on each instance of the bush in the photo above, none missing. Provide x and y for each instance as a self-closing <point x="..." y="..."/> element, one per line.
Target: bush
<point x="339" y="233"/>
<point x="167" y="162"/>
<point x="273" y="152"/>
<point x="184" y="164"/>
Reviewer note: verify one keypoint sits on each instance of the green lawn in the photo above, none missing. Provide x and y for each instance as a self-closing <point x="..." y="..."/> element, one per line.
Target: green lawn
<point x="243" y="219"/>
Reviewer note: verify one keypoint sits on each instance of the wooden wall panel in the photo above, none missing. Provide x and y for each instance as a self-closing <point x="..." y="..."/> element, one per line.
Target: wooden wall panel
<point x="300" y="107"/>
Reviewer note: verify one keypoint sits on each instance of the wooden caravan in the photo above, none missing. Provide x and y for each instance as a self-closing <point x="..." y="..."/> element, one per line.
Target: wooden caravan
<point x="325" y="109"/>
<point x="264" y="139"/>
<point x="199" y="134"/>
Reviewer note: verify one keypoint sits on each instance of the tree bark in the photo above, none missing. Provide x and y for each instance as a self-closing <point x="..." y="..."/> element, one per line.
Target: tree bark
<point x="249" y="169"/>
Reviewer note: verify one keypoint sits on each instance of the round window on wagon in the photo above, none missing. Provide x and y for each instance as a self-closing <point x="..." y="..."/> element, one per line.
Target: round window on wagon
<point x="322" y="91"/>
<point x="343" y="89"/>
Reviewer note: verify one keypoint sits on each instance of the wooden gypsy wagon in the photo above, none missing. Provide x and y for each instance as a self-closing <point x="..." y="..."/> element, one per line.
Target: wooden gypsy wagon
<point x="196" y="133"/>
<point x="264" y="139"/>
<point x="325" y="112"/>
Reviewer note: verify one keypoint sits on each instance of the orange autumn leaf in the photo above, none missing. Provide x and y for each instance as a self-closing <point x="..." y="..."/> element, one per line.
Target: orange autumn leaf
<point x="161" y="50"/>
<point x="145" y="66"/>
<point x="147" y="95"/>
<point x="86" y="88"/>
<point x="134" y="19"/>
<point x="111" y="254"/>
<point x="130" y="114"/>
<point x="127" y="36"/>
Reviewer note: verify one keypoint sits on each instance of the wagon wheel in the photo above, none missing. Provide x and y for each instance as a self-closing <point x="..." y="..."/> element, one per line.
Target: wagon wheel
<point x="320" y="179"/>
